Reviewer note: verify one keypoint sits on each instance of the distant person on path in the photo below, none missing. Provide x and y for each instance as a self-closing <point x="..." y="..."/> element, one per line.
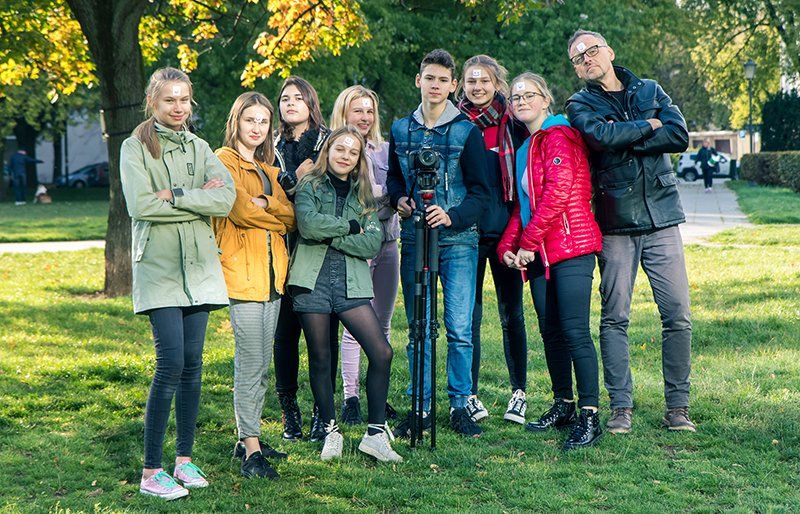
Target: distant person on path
<point x="254" y="261"/>
<point x="19" y="164"/>
<point x="708" y="157"/>
<point x="631" y="126"/>
<point x="553" y="238"/>
<point x="173" y="184"/>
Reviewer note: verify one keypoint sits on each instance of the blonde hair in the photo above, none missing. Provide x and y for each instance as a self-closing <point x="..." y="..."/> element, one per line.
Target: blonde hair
<point x="146" y="131"/>
<point x="265" y="152"/>
<point x="359" y="177"/>
<point x="342" y="104"/>
<point x="497" y="73"/>
<point x="540" y="83"/>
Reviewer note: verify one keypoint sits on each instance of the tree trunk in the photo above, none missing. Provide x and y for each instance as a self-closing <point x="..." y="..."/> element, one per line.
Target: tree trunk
<point x="111" y="28"/>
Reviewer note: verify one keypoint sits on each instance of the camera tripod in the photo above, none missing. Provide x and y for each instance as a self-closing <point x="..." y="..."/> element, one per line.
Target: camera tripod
<point x="426" y="276"/>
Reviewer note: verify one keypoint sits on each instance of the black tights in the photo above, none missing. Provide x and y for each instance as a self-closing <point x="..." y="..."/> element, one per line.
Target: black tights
<point x="365" y="328"/>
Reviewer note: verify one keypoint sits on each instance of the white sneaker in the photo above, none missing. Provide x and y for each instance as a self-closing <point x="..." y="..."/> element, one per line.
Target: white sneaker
<point x="378" y="445"/>
<point x="475" y="409"/>
<point x="334" y="441"/>
<point x="517" y="406"/>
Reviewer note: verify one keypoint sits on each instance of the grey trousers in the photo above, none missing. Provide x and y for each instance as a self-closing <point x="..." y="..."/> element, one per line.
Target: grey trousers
<point x="661" y="256"/>
<point x="254" y="326"/>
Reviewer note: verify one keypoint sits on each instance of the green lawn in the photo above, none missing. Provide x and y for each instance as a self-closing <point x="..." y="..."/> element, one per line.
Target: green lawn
<point x="767" y="205"/>
<point x="75" y="370"/>
<point x="74" y="215"/>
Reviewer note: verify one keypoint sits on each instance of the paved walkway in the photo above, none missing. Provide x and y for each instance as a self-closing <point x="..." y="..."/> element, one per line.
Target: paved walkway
<point x="50" y="246"/>
<point x="709" y="213"/>
<point x="706" y="214"/>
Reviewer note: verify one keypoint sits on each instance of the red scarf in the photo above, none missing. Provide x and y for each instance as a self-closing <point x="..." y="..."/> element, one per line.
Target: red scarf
<point x="496" y="114"/>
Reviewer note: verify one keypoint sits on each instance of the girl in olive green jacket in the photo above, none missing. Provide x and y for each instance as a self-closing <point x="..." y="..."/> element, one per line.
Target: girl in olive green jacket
<point x="173" y="183"/>
<point x="339" y="231"/>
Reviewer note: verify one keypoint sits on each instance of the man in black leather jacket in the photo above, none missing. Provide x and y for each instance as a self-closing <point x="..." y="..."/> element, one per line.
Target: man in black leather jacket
<point x="630" y="126"/>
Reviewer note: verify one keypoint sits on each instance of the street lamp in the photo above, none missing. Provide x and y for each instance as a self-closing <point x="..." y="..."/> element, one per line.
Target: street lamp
<point x="749" y="73"/>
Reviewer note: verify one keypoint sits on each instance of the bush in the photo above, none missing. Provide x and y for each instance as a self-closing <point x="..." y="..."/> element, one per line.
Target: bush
<point x="772" y="169"/>
<point x="780" y="130"/>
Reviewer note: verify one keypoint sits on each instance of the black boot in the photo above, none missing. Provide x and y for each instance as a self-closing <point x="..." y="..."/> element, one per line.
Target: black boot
<point x="351" y="411"/>
<point x="560" y="415"/>
<point x="586" y="431"/>
<point x="317" y="432"/>
<point x="292" y="419"/>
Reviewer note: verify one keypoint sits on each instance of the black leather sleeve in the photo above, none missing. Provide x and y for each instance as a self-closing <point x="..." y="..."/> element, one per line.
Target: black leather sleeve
<point x="673" y="137"/>
<point x="601" y="134"/>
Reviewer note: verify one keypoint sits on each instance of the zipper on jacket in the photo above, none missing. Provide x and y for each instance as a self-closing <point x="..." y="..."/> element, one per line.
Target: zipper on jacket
<point x="566" y="223"/>
<point x="532" y="196"/>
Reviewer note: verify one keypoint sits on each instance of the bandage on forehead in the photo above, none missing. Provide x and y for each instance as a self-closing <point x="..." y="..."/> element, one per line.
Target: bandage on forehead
<point x="581" y="47"/>
<point x="348" y="141"/>
<point x="259" y="118"/>
<point x="477" y="73"/>
<point x="176" y="90"/>
<point x="519" y="86"/>
<point x="366" y="102"/>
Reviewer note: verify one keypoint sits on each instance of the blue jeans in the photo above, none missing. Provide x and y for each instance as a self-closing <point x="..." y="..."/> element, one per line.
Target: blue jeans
<point x="20" y="185"/>
<point x="457" y="270"/>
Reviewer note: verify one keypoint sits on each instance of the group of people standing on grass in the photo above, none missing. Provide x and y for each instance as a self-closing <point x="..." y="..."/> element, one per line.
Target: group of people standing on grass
<point x="300" y="233"/>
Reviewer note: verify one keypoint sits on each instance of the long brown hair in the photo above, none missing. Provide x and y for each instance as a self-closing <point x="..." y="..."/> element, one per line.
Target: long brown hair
<point x="497" y="73"/>
<point x="146" y="131"/>
<point x="265" y="152"/>
<point x="309" y="94"/>
<point x="359" y="177"/>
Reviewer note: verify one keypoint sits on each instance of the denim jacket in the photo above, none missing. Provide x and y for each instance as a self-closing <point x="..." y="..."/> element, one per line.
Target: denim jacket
<point x="462" y="191"/>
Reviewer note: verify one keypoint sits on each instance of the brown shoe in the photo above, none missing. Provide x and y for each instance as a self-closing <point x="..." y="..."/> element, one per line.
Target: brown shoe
<point x="620" y="421"/>
<point x="678" y="419"/>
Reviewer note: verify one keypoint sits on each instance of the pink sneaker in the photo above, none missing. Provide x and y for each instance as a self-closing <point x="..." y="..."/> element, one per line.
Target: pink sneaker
<point x="162" y="485"/>
<point x="190" y="475"/>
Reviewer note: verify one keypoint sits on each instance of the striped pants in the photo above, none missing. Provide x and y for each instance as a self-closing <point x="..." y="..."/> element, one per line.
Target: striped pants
<point x="253" y="330"/>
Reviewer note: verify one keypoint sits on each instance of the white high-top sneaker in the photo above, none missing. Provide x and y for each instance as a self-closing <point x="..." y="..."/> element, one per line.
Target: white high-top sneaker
<point x="334" y="441"/>
<point x="378" y="445"/>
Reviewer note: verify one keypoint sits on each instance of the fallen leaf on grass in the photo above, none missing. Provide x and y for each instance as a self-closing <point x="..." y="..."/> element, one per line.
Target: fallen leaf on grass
<point x="520" y="454"/>
<point x="434" y="468"/>
<point x="123" y="482"/>
<point x="94" y="483"/>
<point x="246" y="506"/>
<point x="96" y="492"/>
<point x="775" y="442"/>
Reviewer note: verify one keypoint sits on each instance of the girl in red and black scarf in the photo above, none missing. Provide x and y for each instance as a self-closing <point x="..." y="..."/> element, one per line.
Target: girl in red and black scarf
<point x="483" y="94"/>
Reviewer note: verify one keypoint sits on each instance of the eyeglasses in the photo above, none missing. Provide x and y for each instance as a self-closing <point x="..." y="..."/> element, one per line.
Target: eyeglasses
<point x="577" y="60"/>
<point x="526" y="98"/>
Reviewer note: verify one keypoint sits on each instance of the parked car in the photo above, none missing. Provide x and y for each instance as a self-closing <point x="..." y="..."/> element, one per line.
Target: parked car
<point x="689" y="169"/>
<point x="94" y="175"/>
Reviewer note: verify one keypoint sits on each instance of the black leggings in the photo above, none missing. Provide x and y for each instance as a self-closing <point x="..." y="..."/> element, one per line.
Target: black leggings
<point x="179" y="334"/>
<point x="366" y="329"/>
<point x="508" y="285"/>
<point x="708" y="177"/>
<point x="286" y="349"/>
<point x="562" y="305"/>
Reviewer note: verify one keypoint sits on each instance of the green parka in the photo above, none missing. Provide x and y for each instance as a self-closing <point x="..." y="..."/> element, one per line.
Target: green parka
<point x="175" y="257"/>
<point x="315" y="208"/>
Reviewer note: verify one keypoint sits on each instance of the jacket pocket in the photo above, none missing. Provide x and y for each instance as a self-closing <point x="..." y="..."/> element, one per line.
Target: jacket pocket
<point x="667" y="179"/>
<point x="141" y="235"/>
<point x="647" y="108"/>
<point x="618" y="176"/>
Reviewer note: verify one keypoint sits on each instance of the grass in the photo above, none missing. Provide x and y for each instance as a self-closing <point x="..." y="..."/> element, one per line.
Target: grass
<point x="74" y="215"/>
<point x="767" y="205"/>
<point x="75" y="370"/>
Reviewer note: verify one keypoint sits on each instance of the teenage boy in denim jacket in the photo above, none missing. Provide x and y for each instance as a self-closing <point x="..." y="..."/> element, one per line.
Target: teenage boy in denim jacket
<point x="459" y="199"/>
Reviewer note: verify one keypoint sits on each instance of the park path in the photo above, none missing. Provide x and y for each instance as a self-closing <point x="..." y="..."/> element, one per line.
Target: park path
<point x="706" y="214"/>
<point x="709" y="213"/>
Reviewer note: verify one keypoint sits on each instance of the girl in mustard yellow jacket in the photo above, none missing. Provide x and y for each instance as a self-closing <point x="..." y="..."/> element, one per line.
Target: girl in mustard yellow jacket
<point x="254" y="262"/>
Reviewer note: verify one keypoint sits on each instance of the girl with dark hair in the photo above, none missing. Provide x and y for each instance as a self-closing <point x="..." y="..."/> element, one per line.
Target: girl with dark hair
<point x="173" y="184"/>
<point x="339" y="231"/>
<point x="483" y="94"/>
<point x="254" y="260"/>
<point x="301" y="134"/>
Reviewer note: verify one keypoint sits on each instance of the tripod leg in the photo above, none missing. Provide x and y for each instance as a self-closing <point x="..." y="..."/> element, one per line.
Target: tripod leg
<point x="417" y="330"/>
<point x="433" y="277"/>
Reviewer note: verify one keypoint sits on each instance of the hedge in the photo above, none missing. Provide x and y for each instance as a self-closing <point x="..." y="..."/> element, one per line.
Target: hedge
<point x="772" y="169"/>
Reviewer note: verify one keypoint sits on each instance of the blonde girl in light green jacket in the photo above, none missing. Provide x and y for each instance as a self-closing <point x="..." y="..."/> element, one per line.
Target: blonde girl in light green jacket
<point x="173" y="183"/>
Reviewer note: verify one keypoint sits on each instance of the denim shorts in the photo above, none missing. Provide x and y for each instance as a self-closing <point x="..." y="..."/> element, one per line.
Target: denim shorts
<point x="330" y="291"/>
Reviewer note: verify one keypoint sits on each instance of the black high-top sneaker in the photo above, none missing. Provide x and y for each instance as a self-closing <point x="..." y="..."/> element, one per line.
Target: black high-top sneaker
<point x="317" y="432"/>
<point x="351" y="411"/>
<point x="560" y="415"/>
<point x="292" y="419"/>
<point x="585" y="432"/>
